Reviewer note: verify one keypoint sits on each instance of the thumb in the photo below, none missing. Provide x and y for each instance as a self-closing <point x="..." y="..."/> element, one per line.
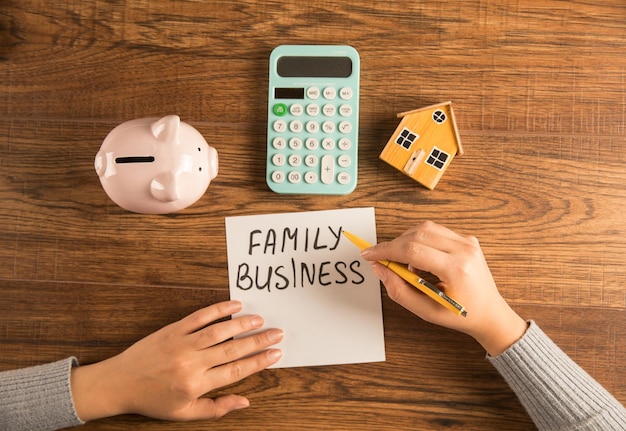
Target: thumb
<point x="207" y="408"/>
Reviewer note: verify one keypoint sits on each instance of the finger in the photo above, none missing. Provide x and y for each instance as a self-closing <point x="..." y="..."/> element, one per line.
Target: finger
<point x="234" y="371"/>
<point x="206" y="408"/>
<point x="199" y="319"/>
<point x="222" y="331"/>
<point x="227" y="404"/>
<point x="428" y="247"/>
<point x="406" y="250"/>
<point x="435" y="235"/>
<point x="397" y="289"/>
<point x="242" y="347"/>
<point x="430" y="226"/>
<point x="406" y="295"/>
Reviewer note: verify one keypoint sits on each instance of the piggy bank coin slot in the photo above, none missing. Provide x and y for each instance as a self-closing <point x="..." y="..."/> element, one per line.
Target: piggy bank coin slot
<point x="136" y="159"/>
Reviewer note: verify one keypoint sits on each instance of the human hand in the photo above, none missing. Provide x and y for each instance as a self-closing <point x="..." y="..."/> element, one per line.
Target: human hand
<point x="166" y="374"/>
<point x="458" y="261"/>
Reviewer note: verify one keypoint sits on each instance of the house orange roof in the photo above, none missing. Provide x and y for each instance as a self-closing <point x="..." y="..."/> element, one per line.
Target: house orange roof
<point x="456" y="130"/>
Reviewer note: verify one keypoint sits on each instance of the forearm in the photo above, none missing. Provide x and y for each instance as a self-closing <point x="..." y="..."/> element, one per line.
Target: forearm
<point x="38" y="398"/>
<point x="555" y="391"/>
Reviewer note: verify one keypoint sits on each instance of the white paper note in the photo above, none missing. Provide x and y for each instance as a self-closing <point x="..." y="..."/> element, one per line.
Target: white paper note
<point x="302" y="275"/>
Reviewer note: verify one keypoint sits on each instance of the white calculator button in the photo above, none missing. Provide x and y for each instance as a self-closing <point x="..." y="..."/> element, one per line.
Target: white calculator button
<point x="280" y="126"/>
<point x="344" y="161"/>
<point x="344" y="144"/>
<point x="329" y="110"/>
<point x="328" y="169"/>
<point x="278" y="176"/>
<point x="311" y="143"/>
<point x="328" y="126"/>
<point x="279" y="143"/>
<point x="294" y="177"/>
<point x="328" y="144"/>
<point x="296" y="110"/>
<point x="345" y="127"/>
<point x="313" y="93"/>
<point x="310" y="177"/>
<point x="295" y="126"/>
<point x="312" y="127"/>
<point x="345" y="110"/>
<point x="295" y="160"/>
<point x="295" y="143"/>
<point x="311" y="160"/>
<point x="330" y="93"/>
<point x="345" y="93"/>
<point x="278" y="159"/>
<point x="343" y="178"/>
<point x="312" y="110"/>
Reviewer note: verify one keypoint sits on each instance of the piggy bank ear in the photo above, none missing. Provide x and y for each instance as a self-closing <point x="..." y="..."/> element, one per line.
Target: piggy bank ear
<point x="163" y="187"/>
<point x="166" y="129"/>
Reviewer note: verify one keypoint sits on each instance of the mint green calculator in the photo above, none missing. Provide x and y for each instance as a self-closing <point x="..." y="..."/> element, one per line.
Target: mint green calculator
<point x="313" y="119"/>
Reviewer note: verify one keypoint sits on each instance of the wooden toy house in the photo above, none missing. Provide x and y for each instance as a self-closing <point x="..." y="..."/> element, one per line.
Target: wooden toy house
<point x="424" y="143"/>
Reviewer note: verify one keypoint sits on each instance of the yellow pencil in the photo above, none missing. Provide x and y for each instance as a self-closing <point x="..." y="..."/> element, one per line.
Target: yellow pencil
<point x="413" y="279"/>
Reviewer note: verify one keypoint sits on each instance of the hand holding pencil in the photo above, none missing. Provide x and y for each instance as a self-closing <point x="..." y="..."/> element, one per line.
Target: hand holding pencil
<point x="458" y="261"/>
<point x="412" y="278"/>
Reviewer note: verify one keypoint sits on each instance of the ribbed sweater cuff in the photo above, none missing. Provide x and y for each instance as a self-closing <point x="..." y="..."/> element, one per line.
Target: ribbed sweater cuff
<point x="555" y="391"/>
<point x="38" y="398"/>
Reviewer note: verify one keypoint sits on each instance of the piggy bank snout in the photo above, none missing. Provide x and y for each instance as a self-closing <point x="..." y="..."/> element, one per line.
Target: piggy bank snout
<point x="213" y="163"/>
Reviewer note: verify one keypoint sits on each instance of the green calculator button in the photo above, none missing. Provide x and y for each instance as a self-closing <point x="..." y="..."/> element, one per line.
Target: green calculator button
<point x="280" y="109"/>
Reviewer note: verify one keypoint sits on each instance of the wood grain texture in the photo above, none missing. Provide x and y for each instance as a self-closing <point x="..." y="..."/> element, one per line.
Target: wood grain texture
<point x="539" y="92"/>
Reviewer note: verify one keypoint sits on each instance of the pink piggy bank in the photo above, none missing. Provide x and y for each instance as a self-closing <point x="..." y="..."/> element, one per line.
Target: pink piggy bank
<point x="155" y="166"/>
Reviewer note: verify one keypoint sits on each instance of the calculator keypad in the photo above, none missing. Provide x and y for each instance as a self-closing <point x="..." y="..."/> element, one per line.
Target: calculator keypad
<point x="313" y="141"/>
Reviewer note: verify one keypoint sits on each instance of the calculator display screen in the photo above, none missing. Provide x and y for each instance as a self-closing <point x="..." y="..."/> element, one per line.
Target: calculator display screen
<point x="289" y="93"/>
<point x="314" y="67"/>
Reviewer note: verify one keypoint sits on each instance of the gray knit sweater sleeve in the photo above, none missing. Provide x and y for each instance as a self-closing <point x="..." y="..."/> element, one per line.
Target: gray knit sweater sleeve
<point x="38" y="398"/>
<point x="556" y="392"/>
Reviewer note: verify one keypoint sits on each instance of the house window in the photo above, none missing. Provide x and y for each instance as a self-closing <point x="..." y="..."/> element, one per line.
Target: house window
<point x="439" y="116"/>
<point x="406" y="138"/>
<point x="437" y="158"/>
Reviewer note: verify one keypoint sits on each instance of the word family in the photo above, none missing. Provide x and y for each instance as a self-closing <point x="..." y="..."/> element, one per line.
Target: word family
<point x="293" y="239"/>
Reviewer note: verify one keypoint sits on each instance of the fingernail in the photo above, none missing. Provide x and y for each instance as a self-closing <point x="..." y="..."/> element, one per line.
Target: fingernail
<point x="365" y="253"/>
<point x="234" y="306"/>
<point x="274" y="354"/>
<point x="275" y="335"/>
<point x="243" y="403"/>
<point x="256" y="321"/>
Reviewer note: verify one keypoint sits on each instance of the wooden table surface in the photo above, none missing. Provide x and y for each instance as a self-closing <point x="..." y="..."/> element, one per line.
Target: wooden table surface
<point x="539" y="90"/>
